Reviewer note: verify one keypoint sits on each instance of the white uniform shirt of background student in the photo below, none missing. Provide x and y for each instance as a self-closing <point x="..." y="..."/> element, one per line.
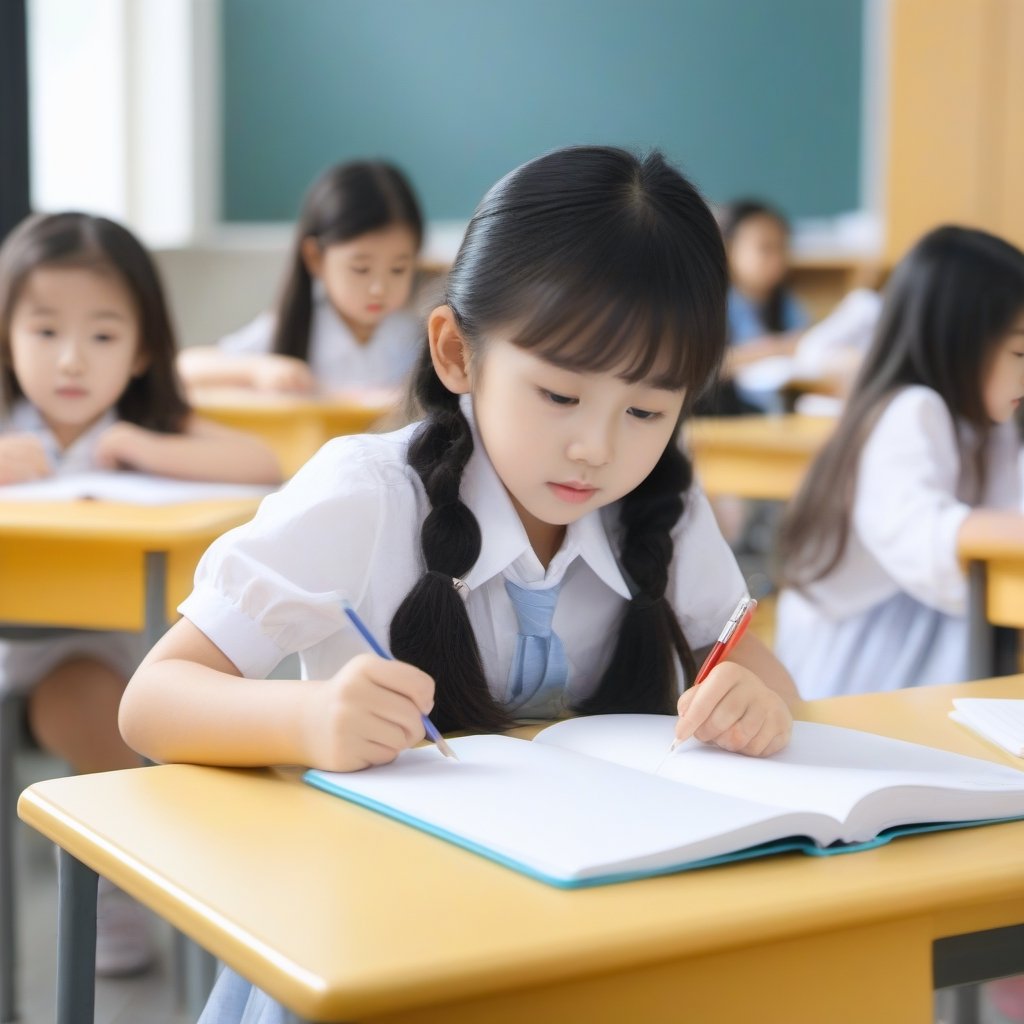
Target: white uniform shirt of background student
<point x="925" y="453"/>
<point x="340" y="322"/>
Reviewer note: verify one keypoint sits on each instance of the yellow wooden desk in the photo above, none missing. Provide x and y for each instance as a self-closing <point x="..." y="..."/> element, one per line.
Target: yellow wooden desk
<point x="105" y="565"/>
<point x="755" y="456"/>
<point x="996" y="575"/>
<point x="343" y="914"/>
<point x="294" y="426"/>
<point x="90" y="565"/>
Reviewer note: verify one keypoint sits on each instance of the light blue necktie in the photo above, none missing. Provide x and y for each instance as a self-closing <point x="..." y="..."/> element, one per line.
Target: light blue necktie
<point x="539" y="668"/>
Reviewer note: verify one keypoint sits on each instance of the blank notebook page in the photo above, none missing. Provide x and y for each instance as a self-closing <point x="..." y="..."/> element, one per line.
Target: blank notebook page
<point x="1001" y="721"/>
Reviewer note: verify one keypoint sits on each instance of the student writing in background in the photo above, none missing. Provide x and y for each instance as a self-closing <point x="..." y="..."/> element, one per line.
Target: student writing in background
<point x="87" y="370"/>
<point x="339" y="322"/>
<point x="924" y="455"/>
<point x="535" y="546"/>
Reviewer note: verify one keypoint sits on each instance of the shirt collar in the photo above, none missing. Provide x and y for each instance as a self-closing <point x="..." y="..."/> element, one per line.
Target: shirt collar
<point x="504" y="541"/>
<point x="78" y="456"/>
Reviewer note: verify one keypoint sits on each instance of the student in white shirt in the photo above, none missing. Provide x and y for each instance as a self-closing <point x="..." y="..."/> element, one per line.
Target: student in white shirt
<point x="340" y="322"/>
<point x="584" y="313"/>
<point x="87" y="380"/>
<point x="925" y="455"/>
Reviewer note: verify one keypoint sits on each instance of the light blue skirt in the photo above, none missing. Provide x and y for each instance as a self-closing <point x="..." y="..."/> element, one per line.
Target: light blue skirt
<point x="237" y="1001"/>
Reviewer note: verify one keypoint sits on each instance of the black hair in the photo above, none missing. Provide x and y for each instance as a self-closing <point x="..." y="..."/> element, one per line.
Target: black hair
<point x="731" y="218"/>
<point x="346" y="201"/>
<point x="154" y="398"/>
<point x="948" y="304"/>
<point x="594" y="259"/>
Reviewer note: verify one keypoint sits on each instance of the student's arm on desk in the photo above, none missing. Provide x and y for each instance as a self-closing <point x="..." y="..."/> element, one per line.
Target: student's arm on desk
<point x="744" y="705"/>
<point x="202" y="451"/>
<point x="987" y="526"/>
<point x="765" y="347"/>
<point x="203" y="367"/>
<point x="188" y="703"/>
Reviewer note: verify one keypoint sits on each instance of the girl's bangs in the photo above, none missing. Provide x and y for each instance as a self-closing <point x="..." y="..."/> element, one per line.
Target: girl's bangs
<point x="658" y="340"/>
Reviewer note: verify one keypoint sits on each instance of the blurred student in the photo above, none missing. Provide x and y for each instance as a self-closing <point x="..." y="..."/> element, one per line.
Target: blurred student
<point x="87" y="369"/>
<point x="925" y="455"/>
<point x="340" y="322"/>
<point x="765" y="318"/>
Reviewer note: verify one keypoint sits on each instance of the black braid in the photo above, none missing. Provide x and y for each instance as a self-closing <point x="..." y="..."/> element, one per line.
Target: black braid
<point x="641" y="676"/>
<point x="431" y="628"/>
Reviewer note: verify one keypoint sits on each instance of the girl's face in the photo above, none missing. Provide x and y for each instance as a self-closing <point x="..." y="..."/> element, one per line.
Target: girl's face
<point x="1002" y="386"/>
<point x="565" y="442"/>
<point x="758" y="255"/>
<point x="74" y="346"/>
<point x="365" y="278"/>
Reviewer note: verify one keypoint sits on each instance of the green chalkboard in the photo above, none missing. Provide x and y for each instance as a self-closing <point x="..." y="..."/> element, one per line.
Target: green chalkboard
<point x="749" y="96"/>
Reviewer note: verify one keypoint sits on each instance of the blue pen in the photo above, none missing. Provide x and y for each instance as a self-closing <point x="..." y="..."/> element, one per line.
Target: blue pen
<point x="428" y="725"/>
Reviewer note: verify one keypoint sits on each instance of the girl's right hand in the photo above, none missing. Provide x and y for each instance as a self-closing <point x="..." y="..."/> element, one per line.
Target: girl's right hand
<point x="366" y="714"/>
<point x="274" y="372"/>
<point x="22" y="457"/>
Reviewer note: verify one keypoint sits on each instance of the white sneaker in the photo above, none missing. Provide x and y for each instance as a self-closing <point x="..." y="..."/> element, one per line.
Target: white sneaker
<point x="124" y="944"/>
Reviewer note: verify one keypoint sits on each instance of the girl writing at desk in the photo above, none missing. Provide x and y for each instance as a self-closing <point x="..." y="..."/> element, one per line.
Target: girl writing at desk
<point x="925" y="454"/>
<point x="536" y="546"/>
<point x="340" y="322"/>
<point x="87" y="371"/>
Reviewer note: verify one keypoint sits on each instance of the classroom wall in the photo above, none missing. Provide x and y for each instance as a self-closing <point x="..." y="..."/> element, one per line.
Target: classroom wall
<point x="748" y="96"/>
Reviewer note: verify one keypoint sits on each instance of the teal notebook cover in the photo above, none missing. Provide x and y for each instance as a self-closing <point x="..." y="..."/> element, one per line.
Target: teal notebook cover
<point x="559" y="815"/>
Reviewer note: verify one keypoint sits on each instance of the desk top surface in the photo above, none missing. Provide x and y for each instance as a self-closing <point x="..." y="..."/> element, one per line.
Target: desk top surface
<point x="159" y="525"/>
<point x="788" y="433"/>
<point x="342" y="912"/>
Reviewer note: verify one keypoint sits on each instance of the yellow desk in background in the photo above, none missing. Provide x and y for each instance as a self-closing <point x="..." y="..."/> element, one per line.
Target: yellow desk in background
<point x="343" y="914"/>
<point x="105" y="565"/>
<point x="996" y="575"/>
<point x="91" y="565"/>
<point x="294" y="426"/>
<point x="755" y="456"/>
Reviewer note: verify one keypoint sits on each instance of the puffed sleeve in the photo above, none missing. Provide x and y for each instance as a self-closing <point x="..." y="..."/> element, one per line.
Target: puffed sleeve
<point x="252" y="339"/>
<point x="705" y="583"/>
<point x="906" y="511"/>
<point x="274" y="585"/>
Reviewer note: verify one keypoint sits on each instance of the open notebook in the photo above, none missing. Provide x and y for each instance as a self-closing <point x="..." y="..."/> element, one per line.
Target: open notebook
<point x="131" y="488"/>
<point x="586" y="803"/>
<point x="998" y="720"/>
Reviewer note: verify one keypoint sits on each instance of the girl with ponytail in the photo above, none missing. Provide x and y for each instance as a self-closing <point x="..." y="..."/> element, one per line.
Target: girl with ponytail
<point x="340" y="321"/>
<point x="534" y="547"/>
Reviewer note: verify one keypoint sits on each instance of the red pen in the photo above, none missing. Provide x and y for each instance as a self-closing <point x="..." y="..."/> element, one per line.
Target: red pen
<point x="732" y="633"/>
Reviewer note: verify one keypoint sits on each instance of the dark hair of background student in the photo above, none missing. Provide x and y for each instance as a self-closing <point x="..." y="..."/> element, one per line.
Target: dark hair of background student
<point x="345" y="202"/>
<point x="947" y="306"/>
<point x="153" y="399"/>
<point x="597" y="260"/>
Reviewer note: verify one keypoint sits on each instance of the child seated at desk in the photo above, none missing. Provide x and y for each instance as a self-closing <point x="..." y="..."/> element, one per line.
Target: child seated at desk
<point x="535" y="547"/>
<point x="340" y="322"/>
<point x="765" y="318"/>
<point x="924" y="455"/>
<point x="87" y="370"/>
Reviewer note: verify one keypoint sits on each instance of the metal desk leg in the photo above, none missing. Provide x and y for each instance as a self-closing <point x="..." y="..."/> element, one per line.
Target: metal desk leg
<point x="76" y="941"/>
<point x="10" y="713"/>
<point x="194" y="969"/>
<point x="980" y="652"/>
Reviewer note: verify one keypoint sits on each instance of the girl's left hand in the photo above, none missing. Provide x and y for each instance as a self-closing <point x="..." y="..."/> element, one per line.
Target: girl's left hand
<point x="118" y="445"/>
<point x="736" y="711"/>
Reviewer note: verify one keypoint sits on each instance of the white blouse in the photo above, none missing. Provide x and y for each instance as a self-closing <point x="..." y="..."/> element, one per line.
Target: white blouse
<point x="338" y="361"/>
<point x="347" y="526"/>
<point x="915" y="486"/>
